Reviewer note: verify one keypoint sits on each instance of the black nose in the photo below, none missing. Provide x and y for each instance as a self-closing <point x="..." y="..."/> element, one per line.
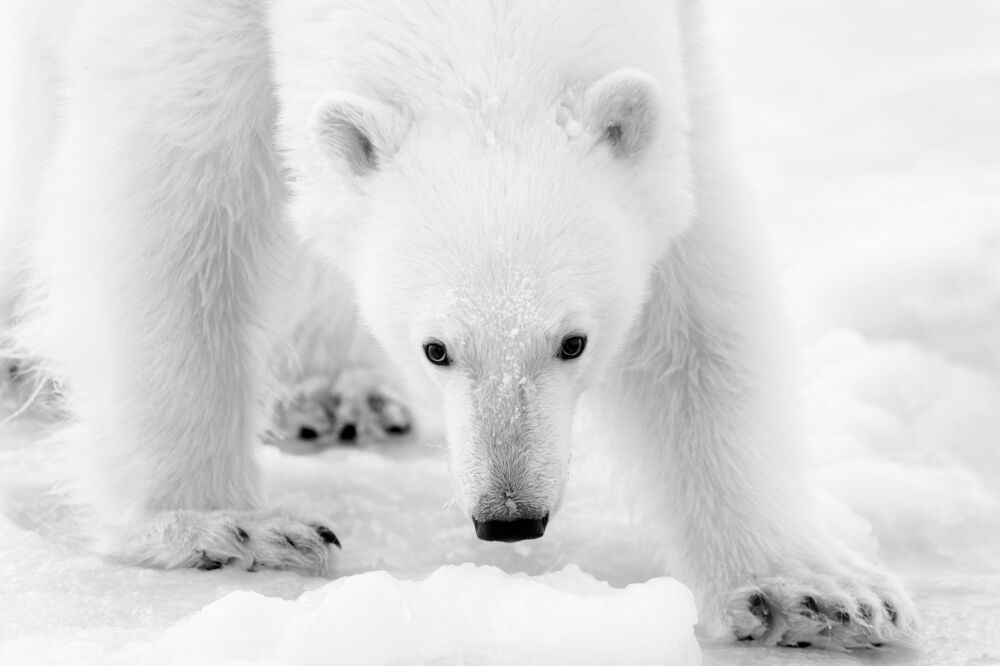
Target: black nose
<point x="510" y="530"/>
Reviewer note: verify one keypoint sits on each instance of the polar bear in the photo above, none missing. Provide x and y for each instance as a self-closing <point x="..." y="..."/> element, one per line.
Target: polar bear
<point x="534" y="207"/>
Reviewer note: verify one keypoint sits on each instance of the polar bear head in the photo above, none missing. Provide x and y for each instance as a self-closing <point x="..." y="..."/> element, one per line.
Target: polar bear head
<point x="501" y="249"/>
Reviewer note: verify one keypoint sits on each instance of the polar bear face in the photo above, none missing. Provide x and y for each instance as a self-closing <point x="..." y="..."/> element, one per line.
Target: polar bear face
<point x="505" y="260"/>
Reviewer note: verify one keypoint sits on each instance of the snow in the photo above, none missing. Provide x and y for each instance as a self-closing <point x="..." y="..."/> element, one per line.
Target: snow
<point x="458" y="613"/>
<point x="871" y="145"/>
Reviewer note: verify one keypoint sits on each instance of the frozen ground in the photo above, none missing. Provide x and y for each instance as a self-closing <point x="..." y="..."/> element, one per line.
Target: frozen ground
<point x="871" y="141"/>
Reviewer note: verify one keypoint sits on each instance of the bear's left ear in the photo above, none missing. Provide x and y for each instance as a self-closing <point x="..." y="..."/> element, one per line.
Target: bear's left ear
<point x="624" y="108"/>
<point x="359" y="132"/>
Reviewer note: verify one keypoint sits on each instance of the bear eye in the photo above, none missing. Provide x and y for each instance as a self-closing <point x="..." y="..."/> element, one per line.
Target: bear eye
<point x="572" y="346"/>
<point x="436" y="353"/>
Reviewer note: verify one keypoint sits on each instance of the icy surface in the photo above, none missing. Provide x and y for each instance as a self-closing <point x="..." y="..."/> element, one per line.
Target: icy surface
<point x="458" y="614"/>
<point x="871" y="141"/>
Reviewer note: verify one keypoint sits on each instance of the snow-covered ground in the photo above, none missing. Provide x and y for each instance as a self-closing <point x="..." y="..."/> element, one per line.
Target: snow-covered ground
<point x="871" y="143"/>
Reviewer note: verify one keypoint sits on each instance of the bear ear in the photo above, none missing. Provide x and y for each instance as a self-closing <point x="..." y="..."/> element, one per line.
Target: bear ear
<point x="356" y="131"/>
<point x="624" y="108"/>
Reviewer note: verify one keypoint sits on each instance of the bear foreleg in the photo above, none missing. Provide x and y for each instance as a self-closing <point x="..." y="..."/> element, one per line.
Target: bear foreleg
<point x="159" y="241"/>
<point x="712" y="443"/>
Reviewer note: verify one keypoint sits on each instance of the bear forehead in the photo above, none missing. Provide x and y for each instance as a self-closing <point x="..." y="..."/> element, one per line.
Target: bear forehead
<point x="529" y="267"/>
<point x="439" y="54"/>
<point x="518" y="173"/>
<point x="503" y="299"/>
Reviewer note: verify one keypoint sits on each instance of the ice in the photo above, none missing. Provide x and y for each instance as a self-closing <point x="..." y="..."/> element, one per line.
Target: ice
<point x="458" y="614"/>
<point x="871" y="141"/>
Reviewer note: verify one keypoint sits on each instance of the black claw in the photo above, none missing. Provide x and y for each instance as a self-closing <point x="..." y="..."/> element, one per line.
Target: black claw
<point x="327" y="535"/>
<point x="241" y="534"/>
<point x="810" y="604"/>
<point x="206" y="563"/>
<point x="890" y="610"/>
<point x="758" y="606"/>
<point x="866" y="612"/>
<point x="746" y="638"/>
<point x="348" y="433"/>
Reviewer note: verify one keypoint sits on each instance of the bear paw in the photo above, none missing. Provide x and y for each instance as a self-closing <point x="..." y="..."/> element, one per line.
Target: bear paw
<point x="821" y="614"/>
<point x="359" y="405"/>
<point x="215" y="539"/>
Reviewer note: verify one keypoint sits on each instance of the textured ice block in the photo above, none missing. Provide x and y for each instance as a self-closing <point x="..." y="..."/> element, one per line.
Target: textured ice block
<point x="457" y="615"/>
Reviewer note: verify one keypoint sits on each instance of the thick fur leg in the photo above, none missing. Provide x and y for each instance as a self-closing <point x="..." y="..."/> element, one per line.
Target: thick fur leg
<point x="159" y="241"/>
<point x="29" y="34"/>
<point x="714" y="435"/>
<point x="719" y="468"/>
<point x="713" y="430"/>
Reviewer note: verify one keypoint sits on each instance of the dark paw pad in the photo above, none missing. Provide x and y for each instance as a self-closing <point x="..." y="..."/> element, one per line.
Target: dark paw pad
<point x="760" y="617"/>
<point x="327" y="535"/>
<point x="757" y="605"/>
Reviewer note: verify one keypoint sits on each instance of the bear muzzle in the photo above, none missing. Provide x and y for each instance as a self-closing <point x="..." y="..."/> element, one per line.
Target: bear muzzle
<point x="509" y="531"/>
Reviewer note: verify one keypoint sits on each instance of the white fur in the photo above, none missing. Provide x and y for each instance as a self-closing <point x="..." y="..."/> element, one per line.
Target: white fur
<point x="155" y="241"/>
<point x="497" y="210"/>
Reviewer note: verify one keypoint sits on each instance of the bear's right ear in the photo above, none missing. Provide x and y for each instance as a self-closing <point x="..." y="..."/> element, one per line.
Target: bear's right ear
<point x="624" y="109"/>
<point x="357" y="131"/>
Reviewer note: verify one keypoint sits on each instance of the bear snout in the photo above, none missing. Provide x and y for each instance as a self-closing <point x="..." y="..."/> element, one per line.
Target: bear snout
<point x="509" y="531"/>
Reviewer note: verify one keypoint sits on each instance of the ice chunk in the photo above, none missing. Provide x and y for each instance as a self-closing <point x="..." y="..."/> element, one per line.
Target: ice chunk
<point x="458" y="614"/>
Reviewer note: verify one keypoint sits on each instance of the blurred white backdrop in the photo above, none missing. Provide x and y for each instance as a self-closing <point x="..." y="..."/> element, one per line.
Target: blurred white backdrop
<point x="869" y="132"/>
